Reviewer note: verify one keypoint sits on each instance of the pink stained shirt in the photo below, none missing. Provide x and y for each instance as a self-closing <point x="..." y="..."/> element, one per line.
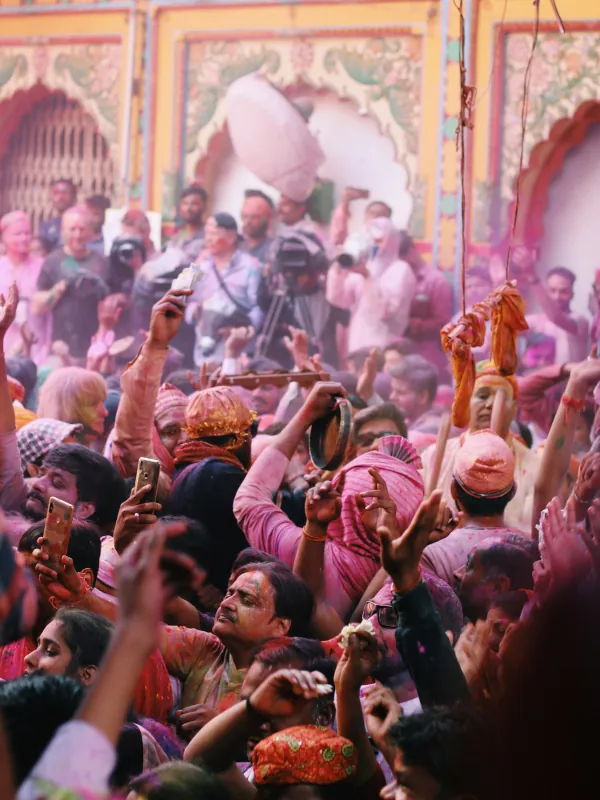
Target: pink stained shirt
<point x="445" y="557"/>
<point x="379" y="306"/>
<point x="25" y="276"/>
<point x="351" y="556"/>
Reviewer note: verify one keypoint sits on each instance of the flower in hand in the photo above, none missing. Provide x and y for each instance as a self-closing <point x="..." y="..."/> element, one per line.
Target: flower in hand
<point x="357" y="662"/>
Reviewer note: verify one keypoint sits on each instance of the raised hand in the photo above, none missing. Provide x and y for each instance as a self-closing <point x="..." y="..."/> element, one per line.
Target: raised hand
<point x="297" y="344"/>
<point x="237" y="341"/>
<point x="167" y="316"/>
<point x="321" y="400"/>
<point x="381" y="711"/>
<point x="379" y="516"/>
<point x="400" y="557"/>
<point x="193" y="718"/>
<point x="472" y="647"/>
<point x="365" y="386"/>
<point x="286" y="692"/>
<point x="357" y="662"/>
<point x="59" y="583"/>
<point x="324" y="502"/>
<point x="134" y="516"/>
<point x="588" y="478"/>
<point x="8" y="309"/>
<point x="591" y="535"/>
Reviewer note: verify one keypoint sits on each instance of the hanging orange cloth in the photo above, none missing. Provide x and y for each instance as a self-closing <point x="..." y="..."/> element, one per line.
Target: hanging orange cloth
<point x="457" y="340"/>
<point x="508" y="321"/>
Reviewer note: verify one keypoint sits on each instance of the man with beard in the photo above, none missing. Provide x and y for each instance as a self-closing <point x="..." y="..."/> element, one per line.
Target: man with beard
<point x="70" y="472"/>
<point x="257" y="217"/>
<point x="190" y="237"/>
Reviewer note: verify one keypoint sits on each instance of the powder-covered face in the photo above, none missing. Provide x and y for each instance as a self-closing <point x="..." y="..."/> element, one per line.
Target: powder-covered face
<point x="170" y="435"/>
<point x="247" y="612"/>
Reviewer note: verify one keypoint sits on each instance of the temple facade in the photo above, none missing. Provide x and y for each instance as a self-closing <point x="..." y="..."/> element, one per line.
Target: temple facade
<point x="127" y="97"/>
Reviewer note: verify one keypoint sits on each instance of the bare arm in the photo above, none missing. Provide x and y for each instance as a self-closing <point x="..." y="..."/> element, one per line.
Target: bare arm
<point x="44" y="300"/>
<point x="377" y="583"/>
<point x="557" y="450"/>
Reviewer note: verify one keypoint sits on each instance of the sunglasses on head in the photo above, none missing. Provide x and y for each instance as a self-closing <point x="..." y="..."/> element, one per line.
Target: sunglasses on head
<point x="386" y="615"/>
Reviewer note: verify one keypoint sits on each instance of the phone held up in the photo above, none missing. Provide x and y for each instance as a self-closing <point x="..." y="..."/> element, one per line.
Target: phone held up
<point x="57" y="530"/>
<point x="148" y="472"/>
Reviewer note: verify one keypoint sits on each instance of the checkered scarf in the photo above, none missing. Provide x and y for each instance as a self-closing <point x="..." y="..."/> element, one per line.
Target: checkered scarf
<point x="38" y="437"/>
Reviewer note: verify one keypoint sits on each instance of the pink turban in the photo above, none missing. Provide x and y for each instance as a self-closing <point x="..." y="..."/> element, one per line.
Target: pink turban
<point x="485" y="465"/>
<point x="170" y="405"/>
<point x="357" y="553"/>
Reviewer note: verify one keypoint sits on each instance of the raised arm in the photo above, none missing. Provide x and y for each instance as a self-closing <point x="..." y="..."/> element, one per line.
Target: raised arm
<point x="265" y="525"/>
<point x="559" y="444"/>
<point x="420" y="636"/>
<point x="323" y="505"/>
<point x="12" y="483"/>
<point x="140" y="383"/>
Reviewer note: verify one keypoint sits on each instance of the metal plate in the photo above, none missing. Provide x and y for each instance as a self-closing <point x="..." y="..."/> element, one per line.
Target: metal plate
<point x="329" y="437"/>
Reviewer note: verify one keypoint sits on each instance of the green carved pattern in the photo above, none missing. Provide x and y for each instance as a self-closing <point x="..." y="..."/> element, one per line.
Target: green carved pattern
<point x="219" y="65"/>
<point x="12" y="66"/>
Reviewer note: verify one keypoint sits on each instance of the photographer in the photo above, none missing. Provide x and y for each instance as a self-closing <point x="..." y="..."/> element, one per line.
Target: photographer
<point x="226" y="296"/>
<point x="71" y="284"/>
<point x="377" y="291"/>
<point x="293" y="295"/>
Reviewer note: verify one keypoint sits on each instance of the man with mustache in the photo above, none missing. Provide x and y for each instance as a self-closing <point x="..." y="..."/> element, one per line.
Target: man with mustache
<point x="263" y="602"/>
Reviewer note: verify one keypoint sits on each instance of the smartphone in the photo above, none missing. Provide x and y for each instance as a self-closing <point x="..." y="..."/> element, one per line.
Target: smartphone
<point x="148" y="472"/>
<point x="57" y="530"/>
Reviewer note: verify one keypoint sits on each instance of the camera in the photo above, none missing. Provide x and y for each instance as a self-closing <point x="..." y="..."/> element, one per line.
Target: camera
<point x="298" y="253"/>
<point x="124" y="249"/>
<point x="355" y="250"/>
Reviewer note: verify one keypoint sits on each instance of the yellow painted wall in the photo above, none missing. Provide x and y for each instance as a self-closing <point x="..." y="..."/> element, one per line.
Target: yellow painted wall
<point x="164" y="34"/>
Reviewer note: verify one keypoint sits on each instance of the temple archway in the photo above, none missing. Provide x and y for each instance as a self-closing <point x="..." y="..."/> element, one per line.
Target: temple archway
<point x="52" y="137"/>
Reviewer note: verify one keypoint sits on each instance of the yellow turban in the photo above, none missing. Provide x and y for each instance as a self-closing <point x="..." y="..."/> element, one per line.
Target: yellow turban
<point x="218" y="412"/>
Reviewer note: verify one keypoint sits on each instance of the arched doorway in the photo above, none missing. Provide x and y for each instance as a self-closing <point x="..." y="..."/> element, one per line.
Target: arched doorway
<point x="56" y="138"/>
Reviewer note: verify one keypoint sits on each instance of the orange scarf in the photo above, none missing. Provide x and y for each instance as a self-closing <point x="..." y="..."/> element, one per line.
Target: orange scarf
<point x="195" y="450"/>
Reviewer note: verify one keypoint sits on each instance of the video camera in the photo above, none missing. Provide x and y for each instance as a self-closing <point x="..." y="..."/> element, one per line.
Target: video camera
<point x="124" y="248"/>
<point x="298" y="253"/>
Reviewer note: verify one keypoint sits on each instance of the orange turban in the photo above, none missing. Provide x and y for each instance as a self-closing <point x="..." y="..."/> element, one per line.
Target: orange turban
<point x="487" y="369"/>
<point x="16" y="389"/>
<point x="304" y="754"/>
<point x="218" y="412"/>
<point x="485" y="465"/>
<point x="23" y="416"/>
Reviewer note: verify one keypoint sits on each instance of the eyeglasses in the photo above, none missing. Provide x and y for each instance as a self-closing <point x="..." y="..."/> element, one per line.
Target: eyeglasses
<point x="386" y="615"/>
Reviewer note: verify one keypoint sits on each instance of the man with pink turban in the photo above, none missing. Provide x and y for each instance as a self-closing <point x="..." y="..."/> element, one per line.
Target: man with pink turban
<point x="483" y="484"/>
<point x="351" y="551"/>
<point x="489" y="381"/>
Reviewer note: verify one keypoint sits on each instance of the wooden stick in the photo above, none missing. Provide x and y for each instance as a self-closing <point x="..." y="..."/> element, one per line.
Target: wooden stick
<point x="498" y="411"/>
<point x="440" y="450"/>
<point x="250" y="380"/>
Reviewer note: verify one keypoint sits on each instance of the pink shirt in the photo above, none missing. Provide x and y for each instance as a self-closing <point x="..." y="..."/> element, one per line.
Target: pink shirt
<point x="444" y="558"/>
<point x="431" y="309"/>
<point x="25" y="276"/>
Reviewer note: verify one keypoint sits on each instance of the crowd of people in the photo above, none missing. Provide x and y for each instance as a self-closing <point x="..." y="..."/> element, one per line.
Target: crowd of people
<point x="416" y="623"/>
